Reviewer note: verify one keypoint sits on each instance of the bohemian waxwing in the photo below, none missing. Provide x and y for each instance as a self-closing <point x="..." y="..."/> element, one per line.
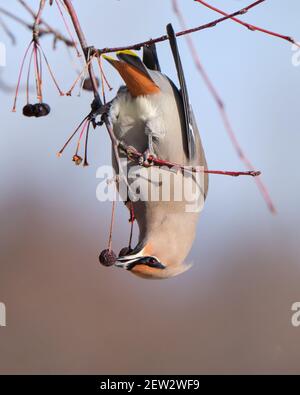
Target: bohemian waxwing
<point x="153" y="116"/>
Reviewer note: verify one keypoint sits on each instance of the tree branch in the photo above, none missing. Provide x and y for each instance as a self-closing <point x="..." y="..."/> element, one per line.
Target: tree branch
<point x="133" y="154"/>
<point x="115" y="142"/>
<point x="97" y="102"/>
<point x="188" y="31"/>
<point x="249" y="26"/>
<point x="49" y="29"/>
<point x="84" y="46"/>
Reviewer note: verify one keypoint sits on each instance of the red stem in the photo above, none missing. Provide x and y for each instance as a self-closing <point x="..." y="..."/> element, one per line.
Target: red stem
<point x="50" y="71"/>
<point x="188" y="31"/>
<point x="37" y="21"/>
<point x="72" y="136"/>
<point x="84" y="128"/>
<point x="112" y="225"/>
<point x="133" y="154"/>
<point x="20" y="76"/>
<point x="37" y="74"/>
<point x="83" y="44"/>
<point x="49" y="30"/>
<point x="132" y="220"/>
<point x="28" y="76"/>
<point x="67" y="27"/>
<point x="248" y="25"/>
<point x="85" y="163"/>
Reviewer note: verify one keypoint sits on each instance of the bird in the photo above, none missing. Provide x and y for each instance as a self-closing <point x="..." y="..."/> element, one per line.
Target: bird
<point x="153" y="116"/>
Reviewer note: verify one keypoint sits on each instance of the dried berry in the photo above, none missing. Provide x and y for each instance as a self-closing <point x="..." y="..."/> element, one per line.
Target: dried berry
<point x="46" y="108"/>
<point x="77" y="160"/>
<point x="88" y="86"/>
<point x="41" y="110"/>
<point x="125" y="251"/>
<point x="29" y="110"/>
<point x="107" y="258"/>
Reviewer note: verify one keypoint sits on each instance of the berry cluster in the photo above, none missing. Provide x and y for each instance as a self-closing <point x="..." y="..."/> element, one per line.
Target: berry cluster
<point x="36" y="110"/>
<point x="40" y="109"/>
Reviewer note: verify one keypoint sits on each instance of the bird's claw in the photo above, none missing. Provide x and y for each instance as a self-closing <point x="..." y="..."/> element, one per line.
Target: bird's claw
<point x="132" y="152"/>
<point x="146" y="159"/>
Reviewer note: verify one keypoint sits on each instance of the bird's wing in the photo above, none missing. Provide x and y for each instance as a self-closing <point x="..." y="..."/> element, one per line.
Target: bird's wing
<point x="150" y="58"/>
<point x="190" y="133"/>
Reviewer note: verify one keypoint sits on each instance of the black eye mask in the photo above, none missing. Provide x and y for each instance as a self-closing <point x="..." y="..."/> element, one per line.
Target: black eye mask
<point x="149" y="261"/>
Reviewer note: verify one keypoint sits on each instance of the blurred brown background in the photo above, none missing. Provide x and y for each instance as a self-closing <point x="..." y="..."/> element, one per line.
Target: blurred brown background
<point x="231" y="313"/>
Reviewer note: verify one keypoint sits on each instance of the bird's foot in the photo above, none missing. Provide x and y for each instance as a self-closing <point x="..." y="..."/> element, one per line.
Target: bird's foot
<point x="131" y="152"/>
<point x="147" y="158"/>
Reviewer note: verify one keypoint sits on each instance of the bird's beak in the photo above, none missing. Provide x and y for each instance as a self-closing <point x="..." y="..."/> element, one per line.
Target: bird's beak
<point x="134" y="73"/>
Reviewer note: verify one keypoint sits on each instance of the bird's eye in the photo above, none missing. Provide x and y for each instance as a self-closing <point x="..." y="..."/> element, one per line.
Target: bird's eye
<point x="148" y="261"/>
<point x="154" y="263"/>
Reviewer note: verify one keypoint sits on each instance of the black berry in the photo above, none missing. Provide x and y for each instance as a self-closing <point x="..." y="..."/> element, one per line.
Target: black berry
<point x="29" y="110"/>
<point x="125" y="251"/>
<point x="41" y="110"/>
<point x="107" y="258"/>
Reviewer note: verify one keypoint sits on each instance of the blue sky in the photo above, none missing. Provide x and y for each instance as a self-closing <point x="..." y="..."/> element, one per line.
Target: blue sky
<point x="252" y="72"/>
<point x="260" y="86"/>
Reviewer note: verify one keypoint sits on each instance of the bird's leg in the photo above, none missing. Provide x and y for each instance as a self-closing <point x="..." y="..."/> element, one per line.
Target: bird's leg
<point x="150" y="150"/>
<point x="153" y="131"/>
<point x="149" y="154"/>
<point x="131" y="220"/>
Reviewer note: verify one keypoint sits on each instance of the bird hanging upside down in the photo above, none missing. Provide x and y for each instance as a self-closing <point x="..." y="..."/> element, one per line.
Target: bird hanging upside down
<point x="151" y="115"/>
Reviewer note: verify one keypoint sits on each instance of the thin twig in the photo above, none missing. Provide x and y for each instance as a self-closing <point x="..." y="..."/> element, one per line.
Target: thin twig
<point x="88" y="53"/>
<point x="249" y="26"/>
<point x="83" y="44"/>
<point x="113" y="213"/>
<point x="20" y="76"/>
<point x="182" y="33"/>
<point x="37" y="21"/>
<point x="133" y="154"/>
<point x="50" y="71"/>
<point x="67" y="27"/>
<point x="132" y="220"/>
<point x="49" y="29"/>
